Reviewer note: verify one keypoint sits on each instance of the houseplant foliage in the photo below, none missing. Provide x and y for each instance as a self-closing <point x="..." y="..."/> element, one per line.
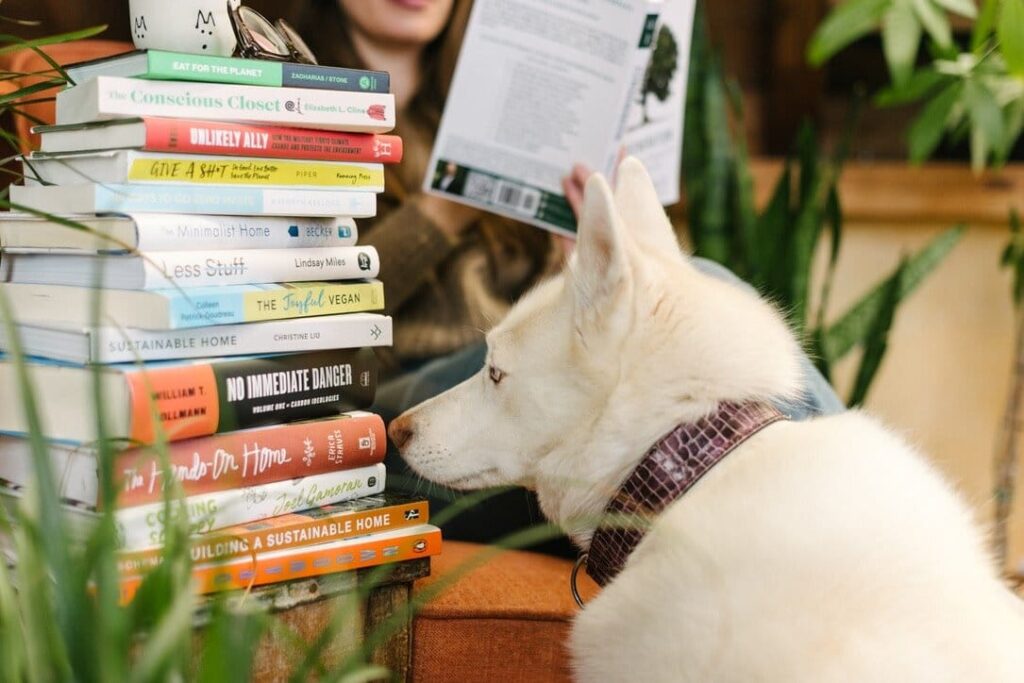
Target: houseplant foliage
<point x="973" y="91"/>
<point x="774" y="249"/>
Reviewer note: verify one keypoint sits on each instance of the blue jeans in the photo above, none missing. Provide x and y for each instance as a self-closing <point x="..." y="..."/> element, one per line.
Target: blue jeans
<point x="514" y="510"/>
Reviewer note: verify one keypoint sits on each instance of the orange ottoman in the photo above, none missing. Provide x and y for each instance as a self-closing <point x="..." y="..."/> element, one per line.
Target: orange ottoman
<point x="507" y="620"/>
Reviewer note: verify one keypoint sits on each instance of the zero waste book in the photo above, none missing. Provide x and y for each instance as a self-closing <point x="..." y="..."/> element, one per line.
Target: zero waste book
<point x="109" y="97"/>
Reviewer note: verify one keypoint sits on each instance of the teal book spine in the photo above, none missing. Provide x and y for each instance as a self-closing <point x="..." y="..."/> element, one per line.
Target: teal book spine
<point x="176" y="66"/>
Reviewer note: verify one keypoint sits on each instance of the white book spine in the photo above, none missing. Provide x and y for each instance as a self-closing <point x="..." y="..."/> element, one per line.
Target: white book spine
<point x="170" y="269"/>
<point x="349" y="331"/>
<point x="111" y="97"/>
<point x="143" y="526"/>
<point x="175" y="232"/>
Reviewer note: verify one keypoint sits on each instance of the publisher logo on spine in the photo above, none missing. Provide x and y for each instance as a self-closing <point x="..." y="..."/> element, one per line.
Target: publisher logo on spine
<point x="377" y="112"/>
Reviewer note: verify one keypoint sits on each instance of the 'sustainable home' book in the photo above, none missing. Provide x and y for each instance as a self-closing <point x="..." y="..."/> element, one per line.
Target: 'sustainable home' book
<point x="247" y="457"/>
<point x="106" y="345"/>
<point x="142" y="526"/>
<point x="192" y="199"/>
<point x="308" y="561"/>
<point x="190" y="136"/>
<point x="110" y="97"/>
<point x="186" y="399"/>
<point x="171" y="309"/>
<point x="133" y="167"/>
<point x="167" y="269"/>
<point x="179" y="66"/>
<point x="376" y="514"/>
<point x="171" y="232"/>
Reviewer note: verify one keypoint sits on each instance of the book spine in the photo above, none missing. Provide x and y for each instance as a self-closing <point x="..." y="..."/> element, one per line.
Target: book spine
<point x="199" y="399"/>
<point x="173" y="232"/>
<point x="210" y="137"/>
<point x="143" y="526"/>
<point x="169" y="269"/>
<point x="129" y="345"/>
<point x="199" y="308"/>
<point x="106" y="97"/>
<point x="306" y="562"/>
<point x="75" y="468"/>
<point x="175" y="66"/>
<point x="198" y="199"/>
<point x="283" y="532"/>
<point x="208" y="170"/>
<point x="252" y="457"/>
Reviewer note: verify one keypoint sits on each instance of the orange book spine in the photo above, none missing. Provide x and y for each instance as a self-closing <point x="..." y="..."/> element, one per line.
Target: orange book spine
<point x="307" y="562"/>
<point x="253" y="457"/>
<point x="319" y="525"/>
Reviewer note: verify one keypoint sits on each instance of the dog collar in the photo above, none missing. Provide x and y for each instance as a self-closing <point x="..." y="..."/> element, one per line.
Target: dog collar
<point x="668" y="470"/>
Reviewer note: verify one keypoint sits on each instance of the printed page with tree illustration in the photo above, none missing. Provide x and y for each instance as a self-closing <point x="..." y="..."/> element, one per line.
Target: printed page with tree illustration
<point x="543" y="84"/>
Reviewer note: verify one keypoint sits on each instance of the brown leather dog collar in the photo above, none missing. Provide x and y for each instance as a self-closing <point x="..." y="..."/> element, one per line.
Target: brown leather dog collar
<point x="668" y="470"/>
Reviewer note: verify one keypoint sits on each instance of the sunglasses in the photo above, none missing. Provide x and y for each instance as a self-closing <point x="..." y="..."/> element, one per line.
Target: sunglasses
<point x="257" y="38"/>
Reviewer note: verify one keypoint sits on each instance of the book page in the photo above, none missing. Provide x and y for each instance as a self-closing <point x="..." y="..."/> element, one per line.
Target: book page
<point x="540" y="85"/>
<point x="654" y="132"/>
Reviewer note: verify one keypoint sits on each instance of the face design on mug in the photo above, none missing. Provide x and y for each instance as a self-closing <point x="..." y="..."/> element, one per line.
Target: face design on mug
<point x="140" y="27"/>
<point x="205" y="24"/>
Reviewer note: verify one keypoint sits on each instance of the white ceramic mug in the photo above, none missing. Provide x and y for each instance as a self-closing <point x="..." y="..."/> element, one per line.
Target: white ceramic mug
<point x="195" y="26"/>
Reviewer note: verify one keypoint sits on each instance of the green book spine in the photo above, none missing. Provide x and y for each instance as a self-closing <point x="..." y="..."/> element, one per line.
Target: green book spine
<point x="173" y="66"/>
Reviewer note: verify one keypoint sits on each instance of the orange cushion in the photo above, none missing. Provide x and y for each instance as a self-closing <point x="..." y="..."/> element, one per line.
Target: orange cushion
<point x="506" y="620"/>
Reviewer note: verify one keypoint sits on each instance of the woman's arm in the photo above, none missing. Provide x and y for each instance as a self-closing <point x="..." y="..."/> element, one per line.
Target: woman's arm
<point x="413" y="240"/>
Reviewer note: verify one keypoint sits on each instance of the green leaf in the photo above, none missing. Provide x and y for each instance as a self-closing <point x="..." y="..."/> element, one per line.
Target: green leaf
<point x="877" y="342"/>
<point x="935" y="22"/>
<point x="853" y="327"/>
<point x="986" y="121"/>
<point x="1011" y="35"/>
<point x="985" y="24"/>
<point x="965" y="8"/>
<point x="846" y="23"/>
<point x="901" y="35"/>
<point x="926" y="131"/>
<point x="920" y="84"/>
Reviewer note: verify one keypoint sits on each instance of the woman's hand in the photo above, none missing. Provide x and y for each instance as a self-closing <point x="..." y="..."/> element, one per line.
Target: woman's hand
<point x="450" y="217"/>
<point x="572" y="186"/>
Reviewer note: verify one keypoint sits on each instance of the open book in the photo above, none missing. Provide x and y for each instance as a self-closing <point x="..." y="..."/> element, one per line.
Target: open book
<point x="542" y="85"/>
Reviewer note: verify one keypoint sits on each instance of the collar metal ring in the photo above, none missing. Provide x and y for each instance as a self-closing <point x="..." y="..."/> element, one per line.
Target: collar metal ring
<point x="580" y="561"/>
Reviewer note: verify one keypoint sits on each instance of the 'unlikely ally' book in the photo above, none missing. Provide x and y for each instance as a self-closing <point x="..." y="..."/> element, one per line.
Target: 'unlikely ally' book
<point x="190" y="136"/>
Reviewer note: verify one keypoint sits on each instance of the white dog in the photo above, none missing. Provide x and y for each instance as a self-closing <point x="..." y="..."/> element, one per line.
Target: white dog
<point x="824" y="550"/>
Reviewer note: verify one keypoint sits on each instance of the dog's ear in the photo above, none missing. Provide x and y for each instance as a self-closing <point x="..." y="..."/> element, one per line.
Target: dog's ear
<point x="643" y="214"/>
<point x="600" y="266"/>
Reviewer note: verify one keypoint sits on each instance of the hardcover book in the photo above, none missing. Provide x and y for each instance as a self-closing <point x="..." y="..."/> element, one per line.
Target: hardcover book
<point x="375" y="514"/>
<point x="106" y="345"/>
<point x="172" y="232"/>
<point x="192" y="199"/>
<point x="185" y="399"/>
<point x="171" y="309"/>
<point x="247" y="457"/>
<point x="307" y="561"/>
<point x="179" y="66"/>
<point x="109" y="97"/>
<point x="191" y="136"/>
<point x="133" y="167"/>
<point x="166" y="269"/>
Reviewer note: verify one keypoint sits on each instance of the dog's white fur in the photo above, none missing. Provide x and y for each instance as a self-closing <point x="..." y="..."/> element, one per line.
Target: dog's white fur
<point x="825" y="550"/>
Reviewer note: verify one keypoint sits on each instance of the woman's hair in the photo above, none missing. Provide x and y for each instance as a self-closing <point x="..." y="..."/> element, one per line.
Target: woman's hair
<point x="326" y="29"/>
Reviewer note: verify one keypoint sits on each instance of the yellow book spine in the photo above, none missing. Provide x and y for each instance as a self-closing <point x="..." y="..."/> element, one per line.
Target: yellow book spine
<point x="313" y="298"/>
<point x="258" y="172"/>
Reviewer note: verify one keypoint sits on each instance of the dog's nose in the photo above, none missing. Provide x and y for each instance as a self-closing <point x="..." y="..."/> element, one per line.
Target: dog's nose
<point x="400" y="431"/>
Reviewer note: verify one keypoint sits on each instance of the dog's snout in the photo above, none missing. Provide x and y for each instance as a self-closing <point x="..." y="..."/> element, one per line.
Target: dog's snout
<point x="400" y="431"/>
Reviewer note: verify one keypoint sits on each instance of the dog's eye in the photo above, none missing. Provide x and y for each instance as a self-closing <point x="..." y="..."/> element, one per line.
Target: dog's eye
<point x="495" y="374"/>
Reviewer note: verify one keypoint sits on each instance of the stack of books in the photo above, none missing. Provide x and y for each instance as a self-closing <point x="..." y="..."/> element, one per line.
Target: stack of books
<point x="222" y="295"/>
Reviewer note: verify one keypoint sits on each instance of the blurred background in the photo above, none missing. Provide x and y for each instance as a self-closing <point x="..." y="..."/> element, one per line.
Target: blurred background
<point x="945" y="379"/>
